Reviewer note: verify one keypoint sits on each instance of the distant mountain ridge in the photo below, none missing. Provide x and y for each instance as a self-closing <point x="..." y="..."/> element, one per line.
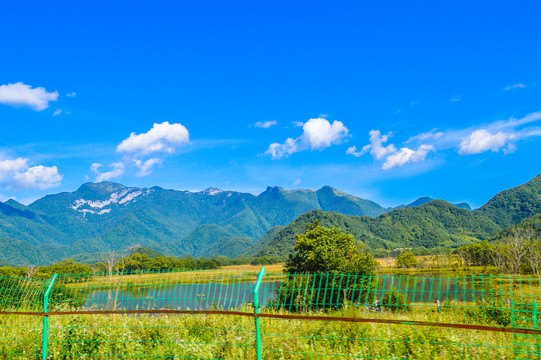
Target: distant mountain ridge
<point x="99" y="217"/>
<point x="426" y="199"/>
<point x="105" y="216"/>
<point x="430" y="225"/>
<point x="511" y="206"/>
<point x="424" y="223"/>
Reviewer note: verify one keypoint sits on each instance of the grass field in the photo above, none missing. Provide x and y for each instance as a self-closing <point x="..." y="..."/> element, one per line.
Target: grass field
<point x="273" y="268"/>
<point x="232" y="337"/>
<point x="506" y="301"/>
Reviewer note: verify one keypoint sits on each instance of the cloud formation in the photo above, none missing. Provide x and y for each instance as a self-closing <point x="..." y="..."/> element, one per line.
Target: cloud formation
<point x="117" y="170"/>
<point x="376" y="147"/>
<point x="353" y="151"/>
<point x="393" y="157"/>
<point x="145" y="167"/>
<point x="18" y="174"/>
<point x="407" y="155"/>
<point x="162" y="137"/>
<point x="482" y="140"/>
<point x="265" y="124"/>
<point x="160" y="140"/>
<point x="514" y="86"/>
<point x="318" y="134"/>
<point x="19" y="94"/>
<point x="499" y="135"/>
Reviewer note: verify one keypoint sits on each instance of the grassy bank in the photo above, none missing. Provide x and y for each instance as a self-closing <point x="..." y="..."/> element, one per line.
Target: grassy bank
<point x="232" y="337"/>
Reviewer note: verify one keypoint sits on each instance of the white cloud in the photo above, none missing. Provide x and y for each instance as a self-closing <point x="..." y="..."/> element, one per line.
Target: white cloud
<point x="433" y="134"/>
<point x="95" y="168"/>
<point x="495" y="136"/>
<point x="38" y="177"/>
<point x="57" y="112"/>
<point x="353" y="151"/>
<point x="71" y="94"/>
<point x="17" y="174"/>
<point x="500" y="135"/>
<point x="376" y="147"/>
<point x="392" y="156"/>
<point x="513" y="123"/>
<point x="297" y="123"/>
<point x="482" y="140"/>
<point x="8" y="168"/>
<point x="19" y="94"/>
<point x="146" y="166"/>
<point x="407" y="155"/>
<point x="265" y="124"/>
<point x="296" y="182"/>
<point x="455" y="99"/>
<point x="318" y="134"/>
<point x="117" y="170"/>
<point x="278" y="151"/>
<point x="162" y="137"/>
<point x="514" y="86"/>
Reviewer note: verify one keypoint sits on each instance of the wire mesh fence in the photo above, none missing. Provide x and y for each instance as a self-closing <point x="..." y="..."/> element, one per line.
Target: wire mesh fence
<point x="219" y="314"/>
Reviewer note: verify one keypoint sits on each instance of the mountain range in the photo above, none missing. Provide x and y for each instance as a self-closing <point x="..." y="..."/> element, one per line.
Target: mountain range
<point x="99" y="217"/>
<point x="425" y="223"/>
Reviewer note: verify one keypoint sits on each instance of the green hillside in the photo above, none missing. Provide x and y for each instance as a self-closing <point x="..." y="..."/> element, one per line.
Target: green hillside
<point x="511" y="206"/>
<point x="431" y="225"/>
<point x="99" y="217"/>
<point x="425" y="199"/>
<point x="533" y="222"/>
<point x="255" y="248"/>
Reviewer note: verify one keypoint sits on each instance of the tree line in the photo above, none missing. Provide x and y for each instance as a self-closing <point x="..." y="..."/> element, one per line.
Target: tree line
<point x="133" y="263"/>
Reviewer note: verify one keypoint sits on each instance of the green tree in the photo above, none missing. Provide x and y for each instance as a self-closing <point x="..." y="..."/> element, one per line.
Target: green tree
<point x="331" y="259"/>
<point x="64" y="267"/>
<point x="406" y="259"/>
<point x="478" y="254"/>
<point x="137" y="262"/>
<point x="321" y="249"/>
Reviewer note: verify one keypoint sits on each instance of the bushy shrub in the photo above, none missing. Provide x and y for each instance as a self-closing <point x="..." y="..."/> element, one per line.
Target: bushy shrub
<point x="406" y="259"/>
<point x="490" y="310"/>
<point x="395" y="301"/>
<point x="324" y="291"/>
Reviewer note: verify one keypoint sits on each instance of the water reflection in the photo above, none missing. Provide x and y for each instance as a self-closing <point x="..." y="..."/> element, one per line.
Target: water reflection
<point x="183" y="297"/>
<point x="226" y="297"/>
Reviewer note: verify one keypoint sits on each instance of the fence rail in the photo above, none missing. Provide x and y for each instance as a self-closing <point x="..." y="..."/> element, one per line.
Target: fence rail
<point x="218" y="314"/>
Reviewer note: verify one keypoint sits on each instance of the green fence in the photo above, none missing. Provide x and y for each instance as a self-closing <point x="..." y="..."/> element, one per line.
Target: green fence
<point x="218" y="314"/>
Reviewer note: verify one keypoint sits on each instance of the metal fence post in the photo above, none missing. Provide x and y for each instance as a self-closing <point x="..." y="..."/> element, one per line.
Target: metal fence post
<point x="46" y="317"/>
<point x="256" y="311"/>
<point x="535" y="312"/>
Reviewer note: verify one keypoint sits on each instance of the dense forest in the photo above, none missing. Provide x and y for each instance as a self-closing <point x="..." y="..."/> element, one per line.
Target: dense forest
<point x="99" y="218"/>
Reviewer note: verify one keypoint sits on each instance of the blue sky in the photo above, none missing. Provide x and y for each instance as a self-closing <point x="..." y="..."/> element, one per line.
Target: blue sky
<point x="385" y="100"/>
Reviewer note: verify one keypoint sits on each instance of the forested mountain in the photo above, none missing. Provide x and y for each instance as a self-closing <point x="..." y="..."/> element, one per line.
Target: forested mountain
<point x="99" y="217"/>
<point x="533" y="223"/>
<point x="105" y="216"/>
<point x="510" y="206"/>
<point x="425" y="199"/>
<point x="425" y="223"/>
<point x="431" y="225"/>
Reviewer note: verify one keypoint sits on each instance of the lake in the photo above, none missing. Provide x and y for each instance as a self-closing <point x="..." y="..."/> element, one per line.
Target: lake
<point x="183" y="297"/>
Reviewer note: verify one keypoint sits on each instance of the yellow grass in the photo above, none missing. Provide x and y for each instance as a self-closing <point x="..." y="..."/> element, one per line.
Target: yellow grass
<point x="226" y="275"/>
<point x="274" y="268"/>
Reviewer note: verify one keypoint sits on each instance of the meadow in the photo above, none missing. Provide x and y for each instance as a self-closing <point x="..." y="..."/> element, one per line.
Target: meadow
<point x="308" y="317"/>
<point x="232" y="337"/>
